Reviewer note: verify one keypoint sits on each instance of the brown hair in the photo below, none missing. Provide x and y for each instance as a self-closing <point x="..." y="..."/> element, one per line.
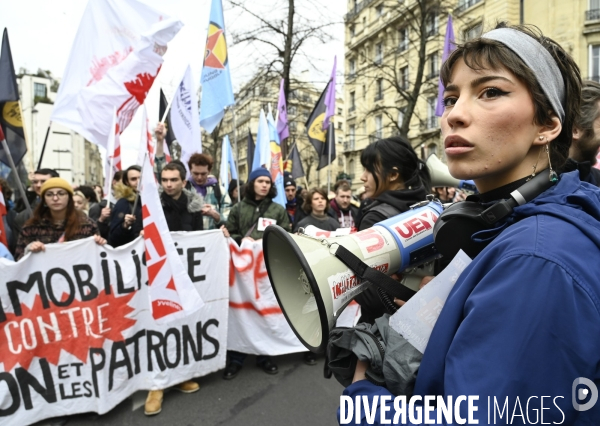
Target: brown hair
<point x="307" y="205"/>
<point x="6" y="190"/>
<point x="481" y="53"/>
<point x="201" y="160"/>
<point x="174" y="167"/>
<point x="341" y="185"/>
<point x="590" y="96"/>
<point x="73" y="217"/>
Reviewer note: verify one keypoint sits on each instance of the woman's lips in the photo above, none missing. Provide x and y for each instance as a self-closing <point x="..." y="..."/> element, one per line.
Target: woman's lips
<point x="455" y="145"/>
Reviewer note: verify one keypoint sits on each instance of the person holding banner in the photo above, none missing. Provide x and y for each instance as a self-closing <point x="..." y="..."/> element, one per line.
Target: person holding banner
<point x="248" y="220"/>
<point x="523" y="319"/>
<point x="55" y="220"/>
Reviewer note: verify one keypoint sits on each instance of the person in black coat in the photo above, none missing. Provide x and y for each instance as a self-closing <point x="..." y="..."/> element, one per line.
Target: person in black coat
<point x="394" y="178"/>
<point x="125" y="224"/>
<point x="182" y="207"/>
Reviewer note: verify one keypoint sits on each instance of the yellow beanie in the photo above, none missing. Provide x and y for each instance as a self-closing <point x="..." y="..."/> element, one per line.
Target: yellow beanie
<point x="56" y="183"/>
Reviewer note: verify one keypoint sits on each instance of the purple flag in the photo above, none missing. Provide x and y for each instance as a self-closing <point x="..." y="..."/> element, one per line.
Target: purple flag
<point x="449" y="46"/>
<point x="330" y="97"/>
<point x="282" y="123"/>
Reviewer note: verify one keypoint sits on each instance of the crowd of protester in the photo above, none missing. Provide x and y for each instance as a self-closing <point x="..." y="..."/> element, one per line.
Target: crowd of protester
<point x="394" y="178"/>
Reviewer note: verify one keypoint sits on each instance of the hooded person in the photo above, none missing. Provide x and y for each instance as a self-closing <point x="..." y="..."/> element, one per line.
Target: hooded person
<point x="248" y="220"/>
<point x="291" y="203"/>
<point x="521" y="323"/>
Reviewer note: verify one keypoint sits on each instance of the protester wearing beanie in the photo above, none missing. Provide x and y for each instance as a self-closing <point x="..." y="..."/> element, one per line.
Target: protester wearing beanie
<point x="247" y="221"/>
<point x="55" y="220"/>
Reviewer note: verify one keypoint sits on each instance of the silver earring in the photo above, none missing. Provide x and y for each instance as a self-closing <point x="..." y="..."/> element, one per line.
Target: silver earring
<point x="553" y="175"/>
<point x="541" y="138"/>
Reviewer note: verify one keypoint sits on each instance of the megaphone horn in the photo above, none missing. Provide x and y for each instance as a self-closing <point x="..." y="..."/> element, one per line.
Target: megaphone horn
<point x="313" y="286"/>
<point x="440" y="176"/>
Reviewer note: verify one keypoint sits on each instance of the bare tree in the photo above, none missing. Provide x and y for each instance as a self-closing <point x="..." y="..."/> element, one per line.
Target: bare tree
<point x="281" y="32"/>
<point x="418" y="20"/>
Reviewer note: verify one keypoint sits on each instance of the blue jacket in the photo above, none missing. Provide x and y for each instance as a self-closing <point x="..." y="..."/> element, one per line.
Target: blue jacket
<point x="523" y="320"/>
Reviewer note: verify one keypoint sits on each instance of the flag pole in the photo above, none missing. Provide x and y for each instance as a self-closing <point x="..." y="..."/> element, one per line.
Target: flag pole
<point x="39" y="166"/>
<point x="237" y="154"/>
<point x="167" y="110"/>
<point x="14" y="169"/>
<point x="329" y="140"/>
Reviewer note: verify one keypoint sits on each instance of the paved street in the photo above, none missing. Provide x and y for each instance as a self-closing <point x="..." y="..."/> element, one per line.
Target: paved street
<point x="297" y="396"/>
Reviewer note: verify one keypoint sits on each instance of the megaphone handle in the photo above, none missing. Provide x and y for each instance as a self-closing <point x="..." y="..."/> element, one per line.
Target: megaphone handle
<point x="365" y="272"/>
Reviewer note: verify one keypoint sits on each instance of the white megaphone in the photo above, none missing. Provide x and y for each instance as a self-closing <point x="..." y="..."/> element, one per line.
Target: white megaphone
<point x="438" y="171"/>
<point x="313" y="286"/>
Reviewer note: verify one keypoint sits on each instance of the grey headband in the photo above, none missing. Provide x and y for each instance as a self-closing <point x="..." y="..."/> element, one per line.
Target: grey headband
<point x="539" y="60"/>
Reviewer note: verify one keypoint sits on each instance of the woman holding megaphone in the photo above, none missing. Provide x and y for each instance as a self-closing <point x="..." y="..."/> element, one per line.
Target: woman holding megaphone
<point x="395" y="179"/>
<point x="521" y="325"/>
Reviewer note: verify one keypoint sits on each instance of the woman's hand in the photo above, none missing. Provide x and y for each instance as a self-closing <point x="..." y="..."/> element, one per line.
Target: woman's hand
<point x="225" y="231"/>
<point x="359" y="372"/>
<point x="99" y="240"/>
<point x="424" y="282"/>
<point x="104" y="214"/>
<point x="128" y="220"/>
<point x="208" y="210"/>
<point x="36" y="247"/>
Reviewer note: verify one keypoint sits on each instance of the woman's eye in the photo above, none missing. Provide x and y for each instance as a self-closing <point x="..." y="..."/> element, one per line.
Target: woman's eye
<point x="492" y="92"/>
<point x="449" y="101"/>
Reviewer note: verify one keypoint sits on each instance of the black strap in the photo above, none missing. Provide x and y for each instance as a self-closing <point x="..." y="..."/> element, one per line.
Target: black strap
<point x="366" y="273"/>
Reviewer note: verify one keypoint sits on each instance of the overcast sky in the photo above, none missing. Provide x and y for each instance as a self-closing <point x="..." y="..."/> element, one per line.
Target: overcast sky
<point x="42" y="31"/>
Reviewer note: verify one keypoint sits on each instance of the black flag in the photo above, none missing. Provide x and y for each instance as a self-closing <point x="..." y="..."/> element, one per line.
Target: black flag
<point x="318" y="137"/>
<point x="170" y="137"/>
<point x="10" y="110"/>
<point x="249" y="152"/>
<point x="294" y="164"/>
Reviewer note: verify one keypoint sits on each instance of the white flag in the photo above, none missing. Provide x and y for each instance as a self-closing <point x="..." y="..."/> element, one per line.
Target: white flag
<point x="184" y="117"/>
<point x="146" y="141"/>
<point x="114" y="60"/>
<point x="113" y="156"/>
<point x="171" y="291"/>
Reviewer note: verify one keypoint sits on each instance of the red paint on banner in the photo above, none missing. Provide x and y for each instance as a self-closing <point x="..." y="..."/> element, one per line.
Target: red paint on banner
<point x="249" y="306"/>
<point x="74" y="328"/>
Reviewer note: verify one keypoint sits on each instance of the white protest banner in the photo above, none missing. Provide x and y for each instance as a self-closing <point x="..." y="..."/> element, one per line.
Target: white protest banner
<point x="115" y="58"/>
<point x="77" y="333"/>
<point x="184" y="117"/>
<point x="256" y="324"/>
<point x="147" y="145"/>
<point x="416" y="318"/>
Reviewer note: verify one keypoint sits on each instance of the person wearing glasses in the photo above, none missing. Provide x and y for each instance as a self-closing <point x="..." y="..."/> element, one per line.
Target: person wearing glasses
<point x="55" y="220"/>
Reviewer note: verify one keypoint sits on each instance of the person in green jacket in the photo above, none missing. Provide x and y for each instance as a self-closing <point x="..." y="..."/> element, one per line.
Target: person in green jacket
<point x="248" y="220"/>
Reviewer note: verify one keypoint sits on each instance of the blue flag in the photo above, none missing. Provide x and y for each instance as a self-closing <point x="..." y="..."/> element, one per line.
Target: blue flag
<point x="227" y="163"/>
<point x="262" y="151"/>
<point x="217" y="91"/>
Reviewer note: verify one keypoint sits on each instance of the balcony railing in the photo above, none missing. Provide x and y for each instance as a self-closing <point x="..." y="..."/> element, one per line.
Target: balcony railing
<point x="465" y="5"/>
<point x="357" y="9"/>
<point x="375" y="136"/>
<point x="592" y="15"/>
<point x="349" y="145"/>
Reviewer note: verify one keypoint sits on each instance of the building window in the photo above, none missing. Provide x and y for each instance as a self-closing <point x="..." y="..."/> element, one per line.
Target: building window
<point x="594" y="61"/>
<point x="351" y="168"/>
<point x="465" y="4"/>
<point x="352" y="102"/>
<point x="352" y="67"/>
<point x="379" y="11"/>
<point x="400" y="117"/>
<point x="379" y="89"/>
<point x="593" y="13"/>
<point x="340" y="125"/>
<point x="293" y="126"/>
<point x="432" y="120"/>
<point x="352" y="30"/>
<point x="292" y="110"/>
<point x="473" y="32"/>
<point x="378" y="53"/>
<point x="402" y="39"/>
<point x="352" y="136"/>
<point x="379" y="127"/>
<point x="364" y="87"/>
<point x="39" y="90"/>
<point x="404" y="78"/>
<point x="431" y="25"/>
<point x="339" y="111"/>
<point x="433" y="61"/>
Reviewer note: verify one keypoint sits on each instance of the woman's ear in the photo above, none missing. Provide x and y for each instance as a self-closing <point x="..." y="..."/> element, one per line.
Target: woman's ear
<point x="394" y="175"/>
<point x="549" y="132"/>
